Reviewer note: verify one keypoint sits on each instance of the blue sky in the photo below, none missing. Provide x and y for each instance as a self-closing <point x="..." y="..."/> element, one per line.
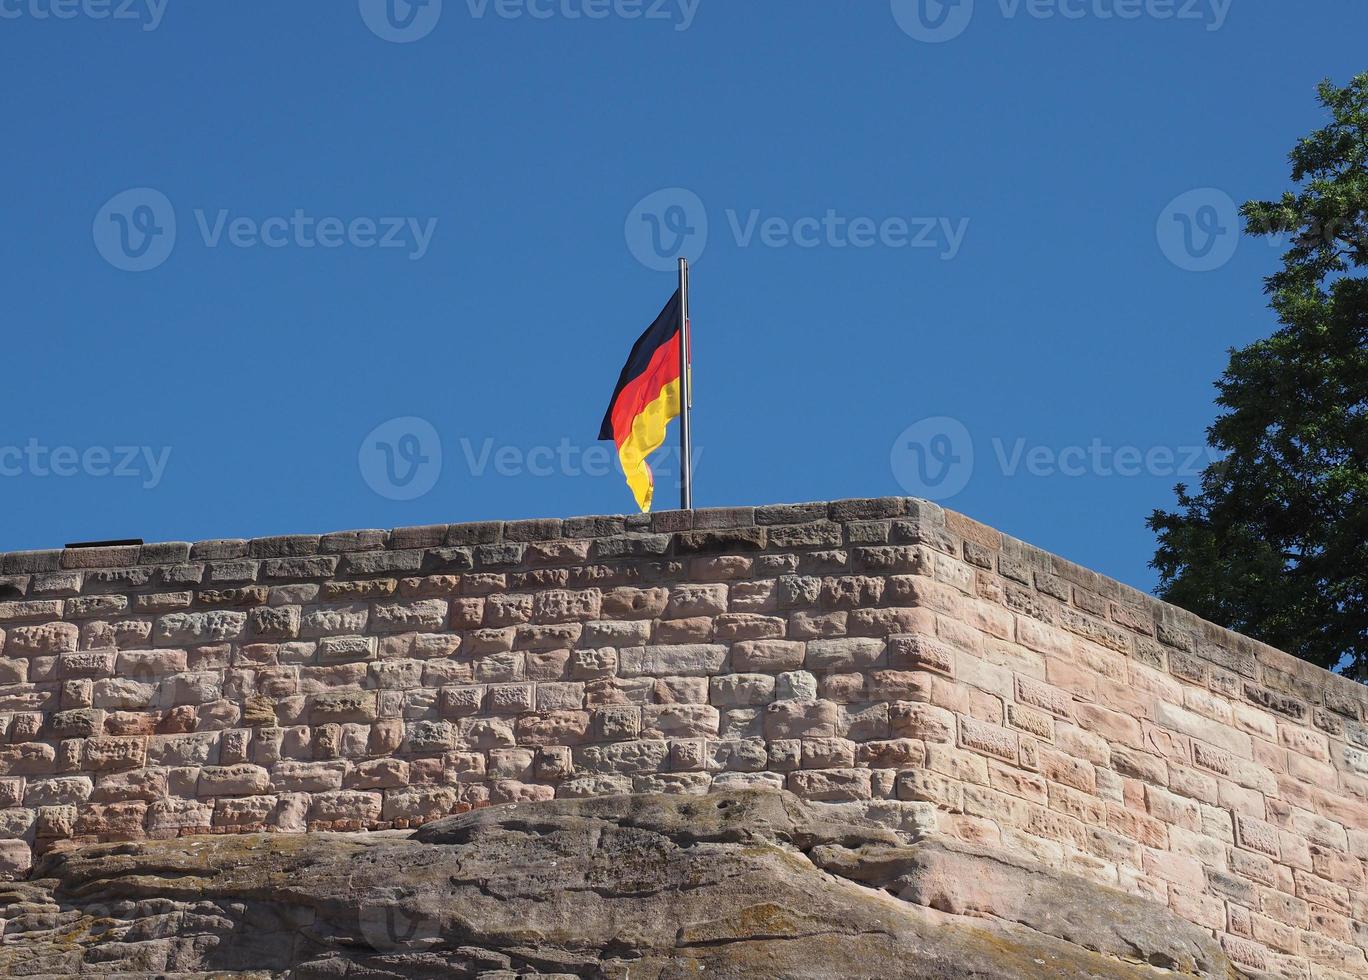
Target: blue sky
<point x="1009" y="218"/>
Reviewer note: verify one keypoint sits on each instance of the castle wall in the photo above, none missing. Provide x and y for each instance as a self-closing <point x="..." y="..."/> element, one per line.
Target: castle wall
<point x="885" y="654"/>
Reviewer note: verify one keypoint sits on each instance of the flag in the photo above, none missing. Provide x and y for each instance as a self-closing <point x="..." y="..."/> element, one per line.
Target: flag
<point x="646" y="398"/>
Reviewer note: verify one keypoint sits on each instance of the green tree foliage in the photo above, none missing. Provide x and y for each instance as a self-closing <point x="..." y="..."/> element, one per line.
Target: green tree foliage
<point x="1275" y="542"/>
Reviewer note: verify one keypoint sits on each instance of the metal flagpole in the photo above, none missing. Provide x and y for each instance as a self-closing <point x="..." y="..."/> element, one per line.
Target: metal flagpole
<point x="685" y="392"/>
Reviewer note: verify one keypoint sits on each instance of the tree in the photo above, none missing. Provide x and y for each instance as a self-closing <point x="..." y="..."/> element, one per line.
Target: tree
<point x="1275" y="542"/>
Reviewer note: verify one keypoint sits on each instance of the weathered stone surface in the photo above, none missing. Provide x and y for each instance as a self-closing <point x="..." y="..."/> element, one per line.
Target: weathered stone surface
<point x="735" y="885"/>
<point x="201" y="627"/>
<point x="886" y="656"/>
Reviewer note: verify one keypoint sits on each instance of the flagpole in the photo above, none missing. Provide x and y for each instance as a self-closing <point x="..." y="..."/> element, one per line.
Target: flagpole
<point x="685" y="392"/>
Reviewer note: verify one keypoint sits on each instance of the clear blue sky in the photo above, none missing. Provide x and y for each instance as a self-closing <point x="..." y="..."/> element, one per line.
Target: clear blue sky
<point x="1048" y="311"/>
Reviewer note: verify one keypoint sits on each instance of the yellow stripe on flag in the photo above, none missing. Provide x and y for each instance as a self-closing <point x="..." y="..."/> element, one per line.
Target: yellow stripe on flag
<point x="648" y="435"/>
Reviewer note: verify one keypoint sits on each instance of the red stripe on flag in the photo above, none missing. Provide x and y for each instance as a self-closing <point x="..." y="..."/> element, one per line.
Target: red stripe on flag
<point x="645" y="387"/>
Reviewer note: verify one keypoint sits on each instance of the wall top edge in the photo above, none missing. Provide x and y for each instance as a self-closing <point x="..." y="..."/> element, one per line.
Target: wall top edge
<point x="672" y="533"/>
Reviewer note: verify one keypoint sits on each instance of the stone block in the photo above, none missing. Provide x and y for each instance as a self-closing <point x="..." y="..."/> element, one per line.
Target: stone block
<point x="181" y="628"/>
<point x="342" y="706"/>
<point x="237" y="780"/>
<point x="401" y="617"/>
<point x="686" y="660"/>
<point x="802" y="719"/>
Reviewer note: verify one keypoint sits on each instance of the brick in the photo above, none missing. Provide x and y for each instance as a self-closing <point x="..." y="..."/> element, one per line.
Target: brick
<point x="748" y="626"/>
<point x="50" y="638"/>
<point x="1016" y="782"/>
<point x="796" y="685"/>
<point x="740" y="690"/>
<point x="896" y="753"/>
<point x="567" y="605"/>
<point x="1057" y="767"/>
<point x="30" y="609"/>
<point x="846" y="654"/>
<point x="691" y="660"/>
<point x="342" y="706"/>
<point x="198" y="627"/>
<point x="831" y="785"/>
<point x="1113" y="726"/>
<point x="720" y="541"/>
<point x="988" y="739"/>
<point x="1208" y="731"/>
<point x="1032" y="722"/>
<point x="399" y="617"/>
<point x="913" y="719"/>
<point x="801" y="719"/>
<point x="768" y="655"/>
<point x="921" y="652"/>
<point x="1257" y="835"/>
<point x="236" y="780"/>
<point x="1050" y="699"/>
<point x="679" y="720"/>
<point x="418" y="804"/>
<point x="696" y="600"/>
<point x="510" y="699"/>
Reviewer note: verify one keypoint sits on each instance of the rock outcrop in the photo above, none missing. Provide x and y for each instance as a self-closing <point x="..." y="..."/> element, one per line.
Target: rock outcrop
<point x="742" y="884"/>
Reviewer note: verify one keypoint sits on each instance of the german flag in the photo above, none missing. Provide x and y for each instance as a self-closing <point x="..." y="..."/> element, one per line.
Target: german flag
<point x="647" y="397"/>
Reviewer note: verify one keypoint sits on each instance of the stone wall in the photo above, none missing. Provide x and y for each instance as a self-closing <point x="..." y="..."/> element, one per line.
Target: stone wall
<point x="882" y="653"/>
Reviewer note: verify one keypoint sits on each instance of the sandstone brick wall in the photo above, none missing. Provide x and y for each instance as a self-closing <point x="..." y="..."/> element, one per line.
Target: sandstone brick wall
<point x="883" y="653"/>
